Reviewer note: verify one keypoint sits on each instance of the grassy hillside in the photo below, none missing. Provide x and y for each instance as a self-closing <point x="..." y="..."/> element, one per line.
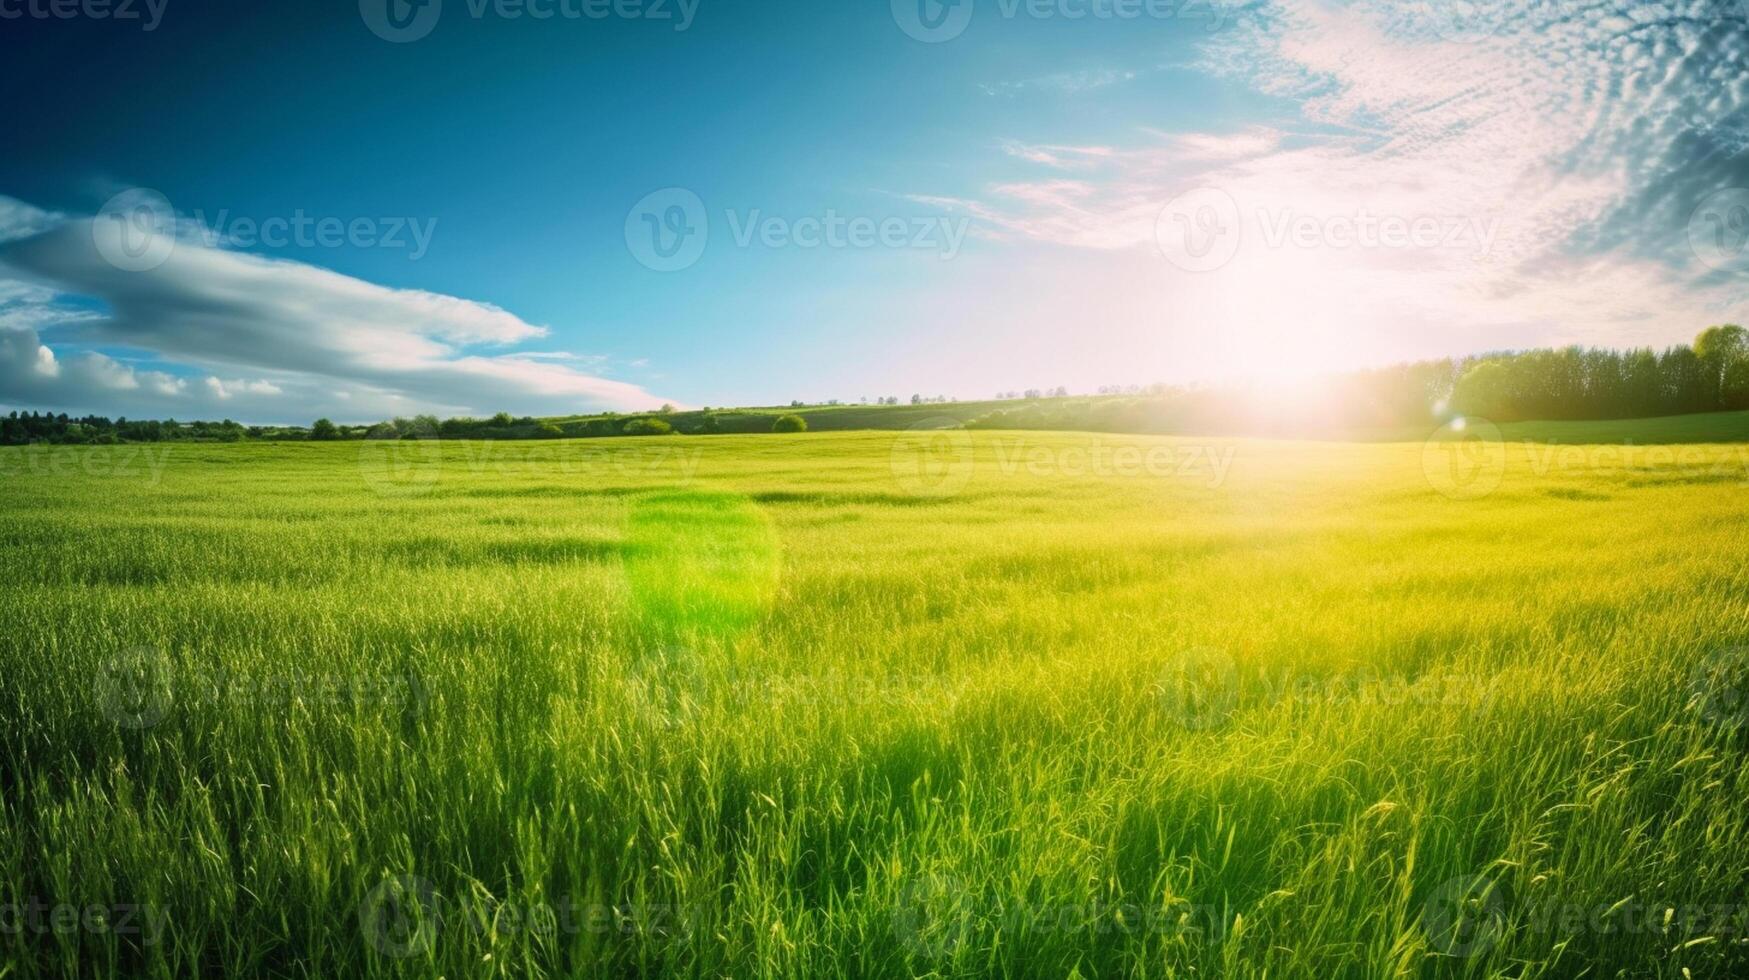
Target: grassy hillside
<point x="876" y="704"/>
<point x="1680" y="429"/>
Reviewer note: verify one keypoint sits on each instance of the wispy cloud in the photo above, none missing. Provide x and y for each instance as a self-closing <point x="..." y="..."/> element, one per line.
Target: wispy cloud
<point x="1064" y="82"/>
<point x="1580" y="139"/>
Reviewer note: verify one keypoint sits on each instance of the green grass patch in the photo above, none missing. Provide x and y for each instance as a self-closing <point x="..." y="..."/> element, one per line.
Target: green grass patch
<point x="1039" y="705"/>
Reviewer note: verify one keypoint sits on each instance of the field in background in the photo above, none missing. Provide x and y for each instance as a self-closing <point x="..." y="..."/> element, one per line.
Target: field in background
<point x="833" y="418"/>
<point x="1703" y="427"/>
<point x="879" y="704"/>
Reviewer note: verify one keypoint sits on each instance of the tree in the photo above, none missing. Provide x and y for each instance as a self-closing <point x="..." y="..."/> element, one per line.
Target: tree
<point x="1684" y="381"/>
<point x="1640" y="384"/>
<point x="647" y="427"/>
<point x="1719" y="348"/>
<point x="790" y="423"/>
<point x="1485" y="390"/>
<point x="324" y="431"/>
<point x="1734" y="388"/>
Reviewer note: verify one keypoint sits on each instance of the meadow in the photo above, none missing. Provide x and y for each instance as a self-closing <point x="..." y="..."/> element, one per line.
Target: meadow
<point x="880" y="704"/>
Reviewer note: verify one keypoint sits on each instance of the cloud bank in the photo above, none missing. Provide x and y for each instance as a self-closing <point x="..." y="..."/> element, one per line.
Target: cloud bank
<point x="197" y="331"/>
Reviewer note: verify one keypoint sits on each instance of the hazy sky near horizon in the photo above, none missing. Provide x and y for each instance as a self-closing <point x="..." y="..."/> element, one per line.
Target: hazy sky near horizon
<point x="365" y="208"/>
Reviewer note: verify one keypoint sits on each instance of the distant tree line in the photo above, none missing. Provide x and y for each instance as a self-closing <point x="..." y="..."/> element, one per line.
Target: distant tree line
<point x="891" y="400"/>
<point x="1587" y="383"/>
<point x="1568" y="383"/>
<point x="23" y="428"/>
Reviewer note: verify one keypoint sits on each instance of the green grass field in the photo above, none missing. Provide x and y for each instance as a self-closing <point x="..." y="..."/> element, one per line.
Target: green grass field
<point x="879" y="704"/>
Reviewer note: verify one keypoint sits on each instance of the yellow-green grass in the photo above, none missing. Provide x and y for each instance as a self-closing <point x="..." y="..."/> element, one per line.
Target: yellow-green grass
<point x="876" y="704"/>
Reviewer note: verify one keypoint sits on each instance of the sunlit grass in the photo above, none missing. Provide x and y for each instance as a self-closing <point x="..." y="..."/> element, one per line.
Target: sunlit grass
<point x="878" y="705"/>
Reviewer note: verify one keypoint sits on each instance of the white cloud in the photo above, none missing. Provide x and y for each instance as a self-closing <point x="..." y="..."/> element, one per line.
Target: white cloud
<point x="18" y="219"/>
<point x="225" y="390"/>
<point x="268" y="339"/>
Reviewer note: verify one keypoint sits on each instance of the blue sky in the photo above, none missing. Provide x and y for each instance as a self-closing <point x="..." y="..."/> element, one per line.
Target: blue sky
<point x="1377" y="182"/>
